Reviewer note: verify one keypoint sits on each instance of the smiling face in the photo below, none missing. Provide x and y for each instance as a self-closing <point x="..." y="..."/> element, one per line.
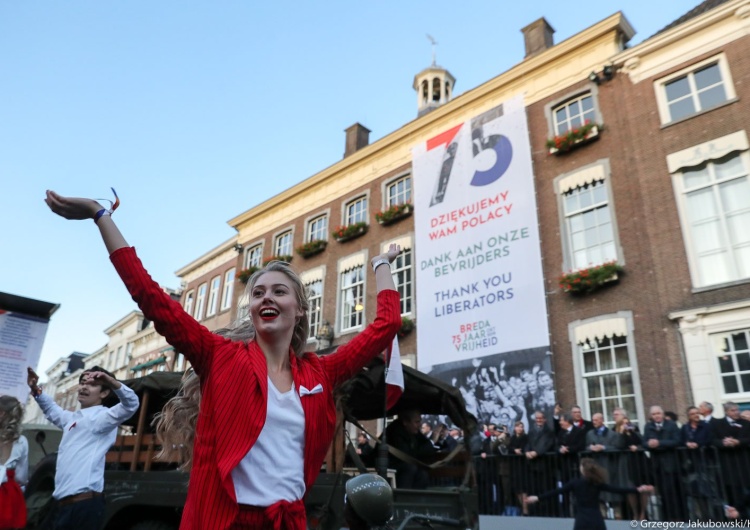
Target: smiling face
<point x="273" y="304"/>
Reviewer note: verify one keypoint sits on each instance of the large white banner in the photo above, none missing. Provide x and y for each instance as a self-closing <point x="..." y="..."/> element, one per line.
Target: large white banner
<point x="21" y="341"/>
<point x="481" y="311"/>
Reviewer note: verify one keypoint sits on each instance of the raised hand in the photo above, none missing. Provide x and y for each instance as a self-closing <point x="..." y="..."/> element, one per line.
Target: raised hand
<point x="100" y="378"/>
<point x="33" y="381"/>
<point x="390" y="254"/>
<point x="74" y="208"/>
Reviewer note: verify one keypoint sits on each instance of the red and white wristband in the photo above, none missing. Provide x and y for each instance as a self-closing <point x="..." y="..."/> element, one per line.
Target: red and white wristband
<point x="101" y="213"/>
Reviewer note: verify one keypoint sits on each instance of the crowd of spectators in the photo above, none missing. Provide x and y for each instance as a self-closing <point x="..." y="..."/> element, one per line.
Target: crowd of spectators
<point x="700" y="469"/>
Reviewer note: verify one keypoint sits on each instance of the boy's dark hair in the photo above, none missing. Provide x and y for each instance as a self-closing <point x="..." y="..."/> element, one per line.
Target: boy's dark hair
<point x="110" y="399"/>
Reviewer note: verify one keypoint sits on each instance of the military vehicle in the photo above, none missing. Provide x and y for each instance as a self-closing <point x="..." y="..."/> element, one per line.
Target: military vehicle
<point x="144" y="493"/>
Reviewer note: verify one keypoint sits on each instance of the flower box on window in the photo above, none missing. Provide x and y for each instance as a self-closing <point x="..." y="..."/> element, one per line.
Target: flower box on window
<point x="573" y="138"/>
<point x="394" y="213"/>
<point x="311" y="248"/>
<point x="285" y="259"/>
<point x="244" y="274"/>
<point x="407" y="326"/>
<point x="585" y="281"/>
<point x="345" y="233"/>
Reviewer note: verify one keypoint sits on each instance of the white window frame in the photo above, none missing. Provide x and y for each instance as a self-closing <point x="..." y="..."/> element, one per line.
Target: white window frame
<point x="228" y="292"/>
<point x="589" y="115"/>
<point x="345" y="311"/>
<point x="200" y="301"/>
<point x="403" y="274"/>
<point x="254" y="256"/>
<point x="698" y="328"/>
<point x="279" y="243"/>
<point x="351" y="216"/>
<point x="315" y="311"/>
<point x="706" y="153"/>
<point x="189" y="301"/>
<point x="549" y="108"/>
<point x="179" y="363"/>
<point x="398" y="197"/>
<point x="737" y="373"/>
<point x="213" y="296"/>
<point x="578" y="363"/>
<point x="584" y="176"/>
<point x="661" y="92"/>
<point x="315" y="233"/>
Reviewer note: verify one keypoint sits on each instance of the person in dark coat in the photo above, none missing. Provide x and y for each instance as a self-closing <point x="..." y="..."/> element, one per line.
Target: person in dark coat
<point x="404" y="435"/>
<point x="732" y="437"/>
<point x="632" y="464"/>
<point x="586" y="490"/>
<point x="661" y="437"/>
<point x="541" y="472"/>
<point x="518" y="475"/>
<point x="698" y="466"/>
<point x="578" y="420"/>
<point x="570" y="441"/>
<point x="365" y="451"/>
<point x="603" y="442"/>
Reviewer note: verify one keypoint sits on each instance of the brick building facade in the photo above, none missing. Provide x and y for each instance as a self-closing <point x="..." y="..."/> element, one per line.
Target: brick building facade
<point x="660" y="188"/>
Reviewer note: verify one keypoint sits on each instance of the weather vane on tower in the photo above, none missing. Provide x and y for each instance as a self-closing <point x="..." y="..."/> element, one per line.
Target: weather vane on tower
<point x="434" y="43"/>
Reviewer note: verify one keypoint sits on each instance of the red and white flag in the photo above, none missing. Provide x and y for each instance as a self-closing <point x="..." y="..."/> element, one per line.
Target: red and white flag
<point x="394" y="379"/>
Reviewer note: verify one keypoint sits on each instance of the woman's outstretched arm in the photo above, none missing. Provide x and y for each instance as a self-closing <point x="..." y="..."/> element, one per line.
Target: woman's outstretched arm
<point x="180" y="329"/>
<point x="373" y="340"/>
<point x="77" y="208"/>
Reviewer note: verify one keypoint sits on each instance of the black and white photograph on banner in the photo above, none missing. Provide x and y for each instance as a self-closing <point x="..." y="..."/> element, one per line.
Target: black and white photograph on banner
<point x="504" y="388"/>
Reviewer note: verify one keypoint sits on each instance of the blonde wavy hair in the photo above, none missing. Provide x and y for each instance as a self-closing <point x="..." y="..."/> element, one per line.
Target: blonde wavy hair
<point x="175" y="424"/>
<point x="10" y="419"/>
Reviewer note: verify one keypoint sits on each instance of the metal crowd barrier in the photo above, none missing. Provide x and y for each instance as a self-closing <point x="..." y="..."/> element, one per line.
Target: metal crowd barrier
<point x="690" y="484"/>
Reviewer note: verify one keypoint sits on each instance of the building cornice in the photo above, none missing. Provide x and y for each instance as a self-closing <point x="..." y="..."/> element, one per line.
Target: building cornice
<point x="124" y="321"/>
<point x="687" y="34"/>
<point x="708" y="310"/>
<point x="207" y="257"/>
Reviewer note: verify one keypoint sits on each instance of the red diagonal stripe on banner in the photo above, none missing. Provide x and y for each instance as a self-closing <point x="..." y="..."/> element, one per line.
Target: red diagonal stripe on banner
<point x="443" y="138"/>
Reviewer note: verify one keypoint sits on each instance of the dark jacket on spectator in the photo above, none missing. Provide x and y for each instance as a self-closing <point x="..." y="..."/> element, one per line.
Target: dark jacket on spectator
<point x="540" y="440"/>
<point x="604" y="436"/>
<point x="701" y="434"/>
<point x="574" y="440"/>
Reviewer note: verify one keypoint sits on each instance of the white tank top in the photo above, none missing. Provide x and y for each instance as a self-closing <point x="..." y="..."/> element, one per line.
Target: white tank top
<point x="273" y="468"/>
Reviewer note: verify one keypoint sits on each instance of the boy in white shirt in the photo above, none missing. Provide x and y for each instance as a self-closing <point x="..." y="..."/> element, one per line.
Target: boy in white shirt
<point x="88" y="434"/>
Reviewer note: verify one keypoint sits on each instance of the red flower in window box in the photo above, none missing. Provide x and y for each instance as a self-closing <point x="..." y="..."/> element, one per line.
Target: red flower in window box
<point x="572" y="138"/>
<point x="311" y="248"/>
<point x="285" y="259"/>
<point x="394" y="213"/>
<point x="347" y="232"/>
<point x="244" y="274"/>
<point x="584" y="281"/>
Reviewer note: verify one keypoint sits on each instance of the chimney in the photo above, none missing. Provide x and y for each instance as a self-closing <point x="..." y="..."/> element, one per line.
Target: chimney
<point x="537" y="37"/>
<point x="357" y="137"/>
